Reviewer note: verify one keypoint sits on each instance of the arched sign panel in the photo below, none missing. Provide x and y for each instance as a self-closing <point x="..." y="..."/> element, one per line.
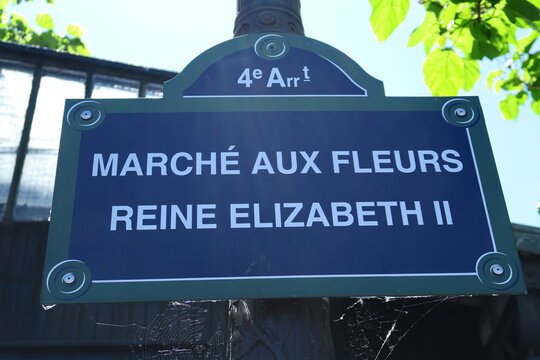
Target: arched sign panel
<point x="274" y="166"/>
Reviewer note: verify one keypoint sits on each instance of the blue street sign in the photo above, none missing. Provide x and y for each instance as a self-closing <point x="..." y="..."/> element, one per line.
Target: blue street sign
<point x="274" y="166"/>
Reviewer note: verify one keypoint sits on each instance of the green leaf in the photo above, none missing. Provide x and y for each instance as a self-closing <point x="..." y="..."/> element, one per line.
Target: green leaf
<point x="532" y="63"/>
<point x="386" y="16"/>
<point x="18" y="30"/>
<point x="429" y="28"/>
<point x="523" y="9"/>
<point x="525" y="24"/>
<point x="463" y="39"/>
<point x="522" y="97"/>
<point x="464" y="12"/>
<point x="525" y="44"/>
<point x="447" y="14"/>
<point x="441" y="40"/>
<point x="19" y="21"/>
<point x="502" y="31"/>
<point x="491" y="76"/>
<point x="418" y="35"/>
<point x="510" y="107"/>
<point x="500" y="23"/>
<point x="45" y="21"/>
<point x="79" y="50"/>
<point x="430" y="41"/>
<point x="480" y="31"/>
<point x="76" y="46"/>
<point x="471" y="73"/>
<point x="498" y="85"/>
<point x="444" y="72"/>
<point x="434" y="7"/>
<point x="3" y="4"/>
<point x="75" y="30"/>
<point x="47" y="39"/>
<point x="484" y="49"/>
<point x="512" y="82"/>
<point x="527" y="77"/>
<point x="535" y="106"/>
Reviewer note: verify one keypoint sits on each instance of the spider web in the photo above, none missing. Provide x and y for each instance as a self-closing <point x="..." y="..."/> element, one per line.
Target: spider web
<point x="179" y="333"/>
<point x="373" y="329"/>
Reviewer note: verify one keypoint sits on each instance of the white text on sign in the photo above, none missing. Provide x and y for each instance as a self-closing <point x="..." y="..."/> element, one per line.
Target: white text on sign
<point x="280" y="215"/>
<point x="273" y="78"/>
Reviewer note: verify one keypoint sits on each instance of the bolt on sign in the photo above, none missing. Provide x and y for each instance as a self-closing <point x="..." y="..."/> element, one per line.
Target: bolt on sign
<point x="274" y="166"/>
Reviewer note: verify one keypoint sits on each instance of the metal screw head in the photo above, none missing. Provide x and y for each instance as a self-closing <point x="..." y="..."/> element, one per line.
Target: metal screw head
<point x="497" y="269"/>
<point x="86" y="115"/>
<point x="461" y="112"/>
<point x="68" y="278"/>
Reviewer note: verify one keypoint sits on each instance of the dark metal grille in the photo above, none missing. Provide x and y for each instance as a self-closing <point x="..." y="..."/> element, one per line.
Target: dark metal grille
<point x="34" y="84"/>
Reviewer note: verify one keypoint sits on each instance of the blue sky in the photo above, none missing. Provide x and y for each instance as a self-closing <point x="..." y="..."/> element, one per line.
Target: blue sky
<point x="168" y="34"/>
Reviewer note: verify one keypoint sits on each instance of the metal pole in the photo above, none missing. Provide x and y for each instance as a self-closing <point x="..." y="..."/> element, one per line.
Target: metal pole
<point x="255" y="16"/>
<point x="279" y="329"/>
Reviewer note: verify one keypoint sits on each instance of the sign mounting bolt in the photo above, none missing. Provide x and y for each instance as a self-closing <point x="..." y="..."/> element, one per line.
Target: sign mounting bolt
<point x="461" y="112"/>
<point x="86" y="115"/>
<point x="68" y="279"/>
<point x="497" y="270"/>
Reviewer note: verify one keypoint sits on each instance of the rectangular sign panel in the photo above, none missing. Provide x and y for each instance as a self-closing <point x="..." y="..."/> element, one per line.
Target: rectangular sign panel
<point x="263" y="197"/>
<point x="235" y="195"/>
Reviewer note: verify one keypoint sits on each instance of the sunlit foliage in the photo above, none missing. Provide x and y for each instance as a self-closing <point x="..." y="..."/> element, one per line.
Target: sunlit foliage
<point x="16" y="28"/>
<point x="457" y="34"/>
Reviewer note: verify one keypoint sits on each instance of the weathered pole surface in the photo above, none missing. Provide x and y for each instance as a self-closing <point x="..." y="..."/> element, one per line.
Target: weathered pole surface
<point x="255" y="16"/>
<point x="280" y="329"/>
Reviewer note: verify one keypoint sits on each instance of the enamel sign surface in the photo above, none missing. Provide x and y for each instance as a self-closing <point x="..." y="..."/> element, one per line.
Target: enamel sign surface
<point x="274" y="166"/>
